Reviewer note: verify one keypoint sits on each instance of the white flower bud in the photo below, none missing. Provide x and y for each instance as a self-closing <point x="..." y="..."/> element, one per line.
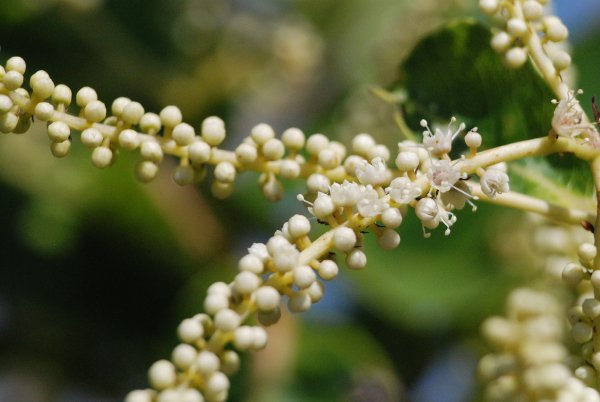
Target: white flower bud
<point x="344" y="238"/>
<point x="328" y="270"/>
<point x="132" y="113"/>
<point x="94" y="111"/>
<point x="217" y="383"/>
<point x="246" y="282"/>
<point x="328" y="158"/>
<point x="118" y="105"/>
<point x="62" y="95"/>
<point x="426" y="209"/>
<point x="43" y="110"/>
<point x="60" y="149"/>
<point x="581" y="332"/>
<point x="215" y="303"/>
<point x="317" y="182"/>
<point x="556" y="31"/>
<point x="91" y="137"/>
<point x="184" y="355"/>
<point x="102" y="157"/>
<point x="225" y="172"/>
<point x="389" y="239"/>
<point x="261" y="133"/>
<point x="323" y="206"/>
<point x="183" y="175"/>
<point x="170" y="116"/>
<point x="490" y="7"/>
<point x="356" y="259"/>
<point x="407" y="161"/>
<point x="516" y="27"/>
<point x="150" y="150"/>
<point x="213" y="130"/>
<point x="289" y="169"/>
<point x="260" y="338"/>
<point x="298" y="226"/>
<point x="150" y="123"/>
<point x="207" y="362"/>
<point x="586" y="252"/>
<point x="41" y="84"/>
<point x="573" y="274"/>
<point x="129" y="139"/>
<point x="267" y="298"/>
<point x="379" y="151"/>
<point x="246" y="153"/>
<point x="473" y="139"/>
<point x="561" y="60"/>
<point x="183" y="134"/>
<point x="190" y="330"/>
<point x="293" y="138"/>
<point x="316" y="143"/>
<point x="391" y="218"/>
<point x="227" y="320"/>
<point x="591" y="308"/>
<point x="230" y="362"/>
<point x="146" y="171"/>
<point x="272" y="190"/>
<point x="8" y="122"/>
<point x="58" y="131"/>
<point x="12" y="80"/>
<point x="494" y="182"/>
<point x="243" y="337"/>
<point x="299" y="302"/>
<point x="315" y="292"/>
<point x="84" y="96"/>
<point x="532" y="10"/>
<point x="515" y="57"/>
<point x="501" y="41"/>
<point x="17" y="64"/>
<point x="162" y="374"/>
<point x="267" y="318"/>
<point x="362" y="143"/>
<point x="251" y="263"/>
<point x="273" y="149"/>
<point x="304" y="276"/>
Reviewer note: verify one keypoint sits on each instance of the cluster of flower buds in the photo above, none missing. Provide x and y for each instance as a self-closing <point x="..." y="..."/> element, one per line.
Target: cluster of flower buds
<point x="528" y="358"/>
<point x="527" y="28"/>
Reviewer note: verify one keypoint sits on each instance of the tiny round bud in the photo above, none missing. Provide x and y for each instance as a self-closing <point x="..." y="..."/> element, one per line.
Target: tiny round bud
<point x="62" y="95"/>
<point x="515" y="57"/>
<point x="473" y="139"/>
<point x="267" y="298"/>
<point x="6" y="104"/>
<point x="501" y="41"/>
<point x="259" y="338"/>
<point x="129" y="139"/>
<point x="246" y="153"/>
<point x="573" y="274"/>
<point x="118" y="105"/>
<point x="84" y="96"/>
<point x="556" y="31"/>
<point x="289" y="169"/>
<point x="199" y="152"/>
<point x="391" y="218"/>
<point x="213" y="130"/>
<point x="183" y="134"/>
<point x="150" y="123"/>
<point x="17" y="64"/>
<point x="215" y="303"/>
<point x="532" y="10"/>
<point x="243" y="337"/>
<point x="298" y="226"/>
<point x="516" y="27"/>
<point x="581" y="332"/>
<point x="12" y="80"/>
<point x="490" y="7"/>
<point x="267" y="318"/>
<point x="170" y="116"/>
<point x="262" y="133"/>
<point x="58" y="131"/>
<point x="328" y="158"/>
<point x="379" y="151"/>
<point x="328" y="270"/>
<point x="317" y="182"/>
<point x="230" y="362"/>
<point x="43" y="110"/>
<point x="389" y="239"/>
<point x="344" y="238"/>
<point x="150" y="150"/>
<point x="323" y="206"/>
<point x="246" y="282"/>
<point x="207" y="362"/>
<point x="102" y="157"/>
<point x="60" y="149"/>
<point x="316" y="143"/>
<point x="42" y="86"/>
<point x="407" y="161"/>
<point x="293" y="138"/>
<point x="251" y="263"/>
<point x="561" y="60"/>
<point x="162" y="374"/>
<point x="426" y="209"/>
<point x="132" y="113"/>
<point x="221" y="190"/>
<point x="227" y="320"/>
<point x="225" y="172"/>
<point x="273" y="149"/>
<point x="184" y="355"/>
<point x="146" y="171"/>
<point x="91" y="137"/>
<point x="586" y="252"/>
<point x="217" y="383"/>
<point x="362" y="143"/>
<point x="190" y="330"/>
<point x="8" y="122"/>
<point x="94" y="111"/>
<point x="299" y="302"/>
<point x="356" y="259"/>
<point x="591" y="308"/>
<point x="272" y="190"/>
<point x="304" y="276"/>
<point x="183" y="175"/>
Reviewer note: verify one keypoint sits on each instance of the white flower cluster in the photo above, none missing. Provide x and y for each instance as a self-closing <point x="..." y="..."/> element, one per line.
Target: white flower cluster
<point x="528" y="358"/>
<point x="569" y="120"/>
<point x="526" y="22"/>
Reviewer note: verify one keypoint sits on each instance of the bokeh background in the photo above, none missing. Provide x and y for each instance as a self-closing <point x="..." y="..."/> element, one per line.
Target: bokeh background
<point x="97" y="270"/>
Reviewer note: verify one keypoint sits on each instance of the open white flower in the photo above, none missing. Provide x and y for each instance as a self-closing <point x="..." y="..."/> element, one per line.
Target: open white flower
<point x="567" y="120"/>
<point x="494" y="181"/>
<point x="346" y="194"/>
<point x="402" y="190"/>
<point x="370" y="204"/>
<point x="442" y="175"/>
<point x="440" y="143"/>
<point x="374" y="173"/>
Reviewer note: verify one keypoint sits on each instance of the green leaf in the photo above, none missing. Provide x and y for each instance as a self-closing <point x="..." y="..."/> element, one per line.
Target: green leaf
<point x="454" y="72"/>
